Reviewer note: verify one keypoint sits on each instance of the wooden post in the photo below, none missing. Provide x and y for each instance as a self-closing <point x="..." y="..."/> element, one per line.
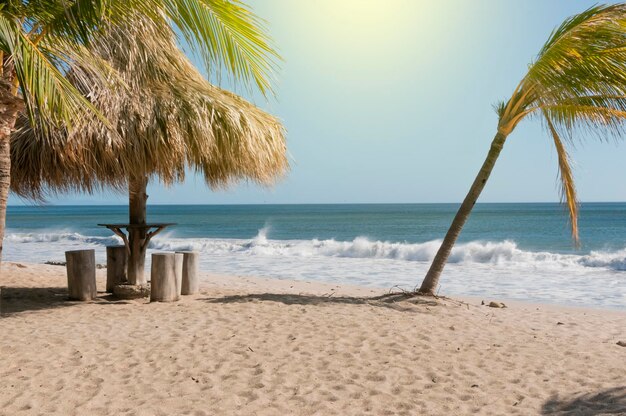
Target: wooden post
<point x="117" y="261"/>
<point x="137" y="201"/>
<point x="81" y="274"/>
<point x="190" y="283"/>
<point x="179" y="273"/>
<point x="163" y="278"/>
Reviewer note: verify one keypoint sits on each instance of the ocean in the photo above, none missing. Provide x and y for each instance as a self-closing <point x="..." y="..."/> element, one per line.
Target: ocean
<point x="506" y="251"/>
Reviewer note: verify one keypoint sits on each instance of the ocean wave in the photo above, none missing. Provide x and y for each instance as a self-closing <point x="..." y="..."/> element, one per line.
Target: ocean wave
<point x="16" y="238"/>
<point x="501" y="253"/>
<point x="484" y="252"/>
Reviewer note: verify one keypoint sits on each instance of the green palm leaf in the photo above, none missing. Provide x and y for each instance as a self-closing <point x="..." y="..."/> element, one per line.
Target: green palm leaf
<point x="226" y="33"/>
<point x="43" y="86"/>
<point x="568" y="188"/>
<point x="44" y="37"/>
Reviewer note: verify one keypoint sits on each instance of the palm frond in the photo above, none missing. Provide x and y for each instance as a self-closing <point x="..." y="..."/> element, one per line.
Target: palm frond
<point x="80" y="20"/>
<point x="568" y="189"/>
<point x="577" y="85"/>
<point x="43" y="86"/>
<point x="499" y="108"/>
<point x="584" y="57"/>
<point x="43" y="38"/>
<point x="226" y="32"/>
<point x="602" y="122"/>
<point x="569" y="26"/>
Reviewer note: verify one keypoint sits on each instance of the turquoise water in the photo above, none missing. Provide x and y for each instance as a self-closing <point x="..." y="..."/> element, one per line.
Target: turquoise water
<point x="531" y="226"/>
<point x="521" y="251"/>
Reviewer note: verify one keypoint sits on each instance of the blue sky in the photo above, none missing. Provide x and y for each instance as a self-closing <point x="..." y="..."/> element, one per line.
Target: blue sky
<point x="391" y="101"/>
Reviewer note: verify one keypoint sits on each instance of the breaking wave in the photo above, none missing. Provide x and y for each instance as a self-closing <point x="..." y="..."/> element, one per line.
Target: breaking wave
<point x="502" y="253"/>
<point x="60" y="238"/>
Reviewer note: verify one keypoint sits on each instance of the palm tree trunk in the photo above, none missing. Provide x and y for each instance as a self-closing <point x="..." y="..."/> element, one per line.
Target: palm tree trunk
<point x="5" y="178"/>
<point x="138" y="198"/>
<point x="434" y="273"/>
<point x="9" y="109"/>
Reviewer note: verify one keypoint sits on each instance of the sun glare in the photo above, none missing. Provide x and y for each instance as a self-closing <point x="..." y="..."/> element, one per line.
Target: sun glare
<point x="369" y="34"/>
<point x="363" y="25"/>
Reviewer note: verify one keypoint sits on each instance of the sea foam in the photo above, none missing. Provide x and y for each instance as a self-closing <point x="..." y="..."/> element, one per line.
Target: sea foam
<point x="477" y="268"/>
<point x="484" y="252"/>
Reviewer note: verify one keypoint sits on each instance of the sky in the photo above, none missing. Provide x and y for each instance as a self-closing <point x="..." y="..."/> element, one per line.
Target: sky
<point x="391" y="101"/>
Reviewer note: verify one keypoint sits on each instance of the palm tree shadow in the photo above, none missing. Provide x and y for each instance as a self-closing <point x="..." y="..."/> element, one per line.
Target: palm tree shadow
<point x="605" y="402"/>
<point x="16" y="300"/>
<point x="385" y="301"/>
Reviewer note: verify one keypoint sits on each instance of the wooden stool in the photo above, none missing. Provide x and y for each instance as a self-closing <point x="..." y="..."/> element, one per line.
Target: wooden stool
<point x="190" y="283"/>
<point x="81" y="274"/>
<point x="179" y="272"/>
<point x="117" y="262"/>
<point x="163" y="278"/>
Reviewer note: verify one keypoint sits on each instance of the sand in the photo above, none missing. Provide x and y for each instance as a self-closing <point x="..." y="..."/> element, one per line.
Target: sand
<point x="248" y="346"/>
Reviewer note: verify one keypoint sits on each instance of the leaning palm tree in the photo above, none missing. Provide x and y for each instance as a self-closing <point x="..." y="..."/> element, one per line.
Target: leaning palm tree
<point x="40" y="39"/>
<point x="170" y="119"/>
<point x="577" y="84"/>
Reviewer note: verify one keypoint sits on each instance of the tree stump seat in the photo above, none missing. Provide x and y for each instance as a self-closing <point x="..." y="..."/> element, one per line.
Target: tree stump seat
<point x="189" y="283"/>
<point x="81" y="274"/>
<point x="166" y="269"/>
<point x="117" y="262"/>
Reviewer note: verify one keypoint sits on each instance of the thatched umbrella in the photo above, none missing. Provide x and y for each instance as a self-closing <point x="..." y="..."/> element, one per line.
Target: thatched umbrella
<point x="166" y="118"/>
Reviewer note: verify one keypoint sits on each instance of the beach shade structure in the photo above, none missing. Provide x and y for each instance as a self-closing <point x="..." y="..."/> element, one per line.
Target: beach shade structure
<point x="165" y="120"/>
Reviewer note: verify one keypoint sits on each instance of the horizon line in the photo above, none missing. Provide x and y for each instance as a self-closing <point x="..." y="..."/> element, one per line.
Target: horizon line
<point x="302" y="203"/>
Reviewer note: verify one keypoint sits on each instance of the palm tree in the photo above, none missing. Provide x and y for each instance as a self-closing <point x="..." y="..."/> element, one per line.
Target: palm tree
<point x="40" y="39"/>
<point x="577" y="84"/>
<point x="170" y="118"/>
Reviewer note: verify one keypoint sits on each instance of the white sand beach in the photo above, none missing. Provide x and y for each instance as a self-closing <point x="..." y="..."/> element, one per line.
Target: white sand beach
<point x="250" y="346"/>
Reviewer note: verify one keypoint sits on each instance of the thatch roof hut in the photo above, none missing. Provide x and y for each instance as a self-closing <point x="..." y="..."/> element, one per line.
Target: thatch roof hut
<point x="164" y="118"/>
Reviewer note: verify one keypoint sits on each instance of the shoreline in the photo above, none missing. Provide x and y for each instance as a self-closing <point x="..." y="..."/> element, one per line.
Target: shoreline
<point x="247" y="282"/>
<point x="255" y="346"/>
<point x="494" y="266"/>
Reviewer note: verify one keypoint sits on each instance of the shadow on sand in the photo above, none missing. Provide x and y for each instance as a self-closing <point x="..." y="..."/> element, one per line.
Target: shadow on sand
<point x="21" y="299"/>
<point x="388" y="301"/>
<point x="605" y="402"/>
<point x="15" y="300"/>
